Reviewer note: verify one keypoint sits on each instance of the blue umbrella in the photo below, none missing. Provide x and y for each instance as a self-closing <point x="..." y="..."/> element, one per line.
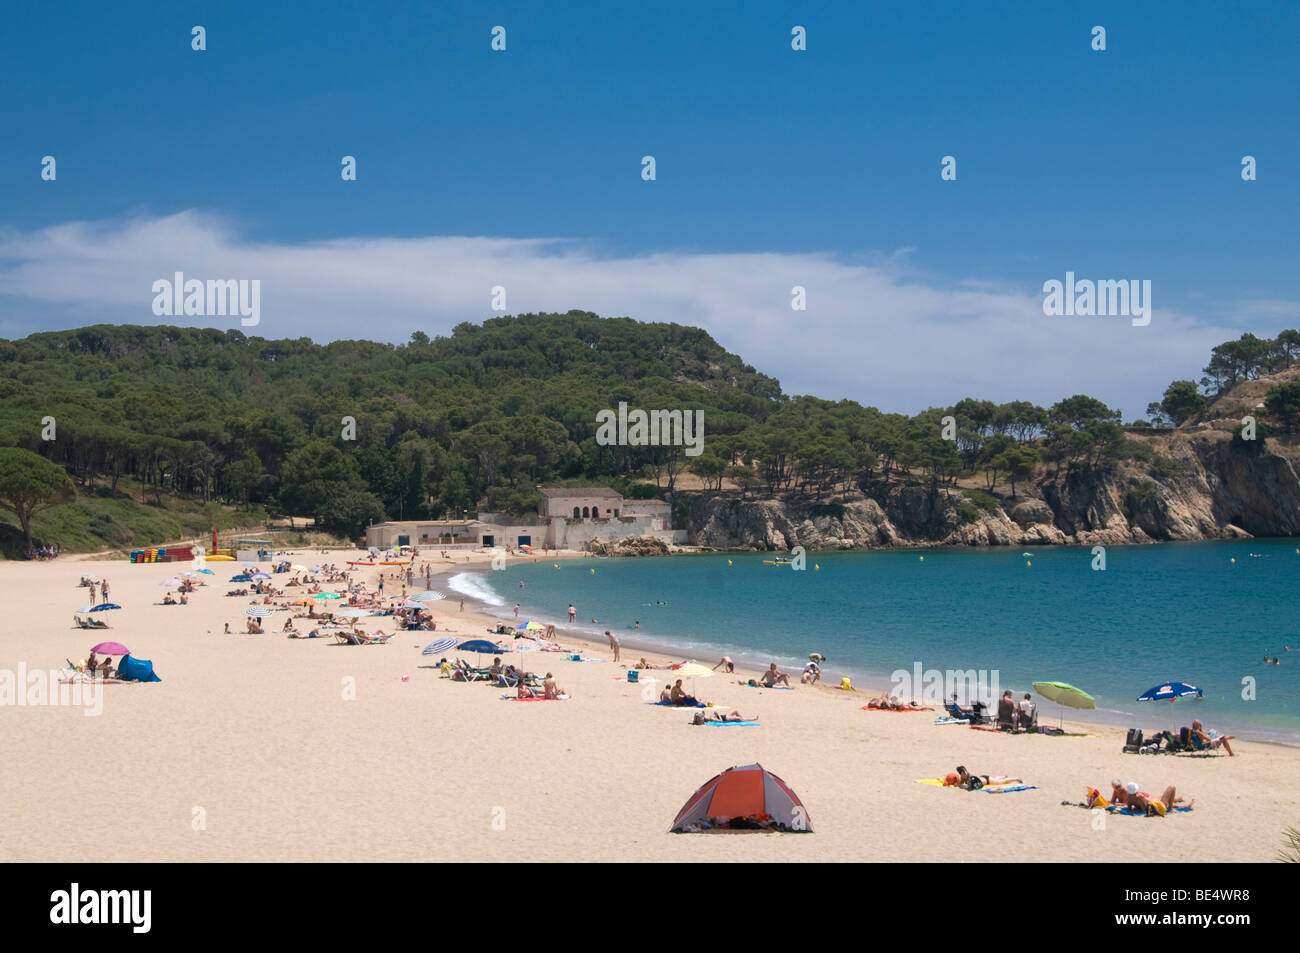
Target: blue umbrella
<point x="481" y="645"/>
<point x="1169" y="691"/>
<point x="207" y="572"/>
<point x="104" y="607"/>
<point x="242" y="577"/>
<point x="438" y="646"/>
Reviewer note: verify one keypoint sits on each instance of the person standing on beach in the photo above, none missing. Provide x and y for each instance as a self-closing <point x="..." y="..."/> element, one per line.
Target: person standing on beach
<point x="573" y="613"/>
<point x="103" y="591"/>
<point x="462" y="603"/>
<point x="613" y="643"/>
<point x="516" y="610"/>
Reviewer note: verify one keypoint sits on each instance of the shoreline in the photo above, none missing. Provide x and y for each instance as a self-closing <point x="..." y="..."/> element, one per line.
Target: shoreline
<point x="865" y="683"/>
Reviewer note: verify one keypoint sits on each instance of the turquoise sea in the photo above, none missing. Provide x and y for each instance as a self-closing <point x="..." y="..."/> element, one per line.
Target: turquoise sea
<point x="1157" y="613"/>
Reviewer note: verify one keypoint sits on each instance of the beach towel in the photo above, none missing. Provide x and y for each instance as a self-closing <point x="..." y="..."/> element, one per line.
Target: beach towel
<point x="1115" y="809"/>
<point x="777" y="688"/>
<point x="990" y="788"/>
<point x="740" y="724"/>
<point x="945" y="720"/>
<point x="535" y="698"/>
<point x="671" y="705"/>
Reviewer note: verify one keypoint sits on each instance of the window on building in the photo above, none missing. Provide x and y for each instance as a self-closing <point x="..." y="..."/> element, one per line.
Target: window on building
<point x="586" y="511"/>
<point x="577" y="514"/>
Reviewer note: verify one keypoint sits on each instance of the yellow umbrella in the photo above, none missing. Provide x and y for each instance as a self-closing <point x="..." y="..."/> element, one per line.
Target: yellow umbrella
<point x="692" y="670"/>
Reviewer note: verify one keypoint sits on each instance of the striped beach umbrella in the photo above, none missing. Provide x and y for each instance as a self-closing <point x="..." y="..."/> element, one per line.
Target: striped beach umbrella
<point x="438" y="646"/>
<point x="428" y="596"/>
<point x="258" y="612"/>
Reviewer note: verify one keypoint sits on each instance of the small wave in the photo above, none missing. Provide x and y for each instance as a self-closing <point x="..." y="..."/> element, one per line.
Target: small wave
<point x="475" y="586"/>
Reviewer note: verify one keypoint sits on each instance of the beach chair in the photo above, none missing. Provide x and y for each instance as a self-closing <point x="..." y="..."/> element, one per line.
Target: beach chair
<point x="347" y="638"/>
<point x="468" y="673"/>
<point x="1007" y="720"/>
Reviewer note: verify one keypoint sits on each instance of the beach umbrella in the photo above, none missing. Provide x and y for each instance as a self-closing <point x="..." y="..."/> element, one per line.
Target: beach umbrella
<point x="170" y="583"/>
<point x="1169" y="692"/>
<point x="241" y="577"/>
<point x="189" y="575"/>
<point x="692" y="669"/>
<point x="258" y="612"/>
<point x="438" y="646"/>
<point x="742" y="793"/>
<point x="303" y="601"/>
<point x="261" y="575"/>
<point x="479" y="646"/>
<point x="299" y="567"/>
<point x="102" y="607"/>
<point x="1065" y="694"/>
<point x="428" y="596"/>
<point x="326" y="595"/>
<point x="87" y="577"/>
<point x="111" y="648"/>
<point x="351" y="613"/>
<point x="207" y="572"/>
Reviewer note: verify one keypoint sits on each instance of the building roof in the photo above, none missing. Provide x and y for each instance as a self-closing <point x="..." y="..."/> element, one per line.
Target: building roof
<point x="552" y="492"/>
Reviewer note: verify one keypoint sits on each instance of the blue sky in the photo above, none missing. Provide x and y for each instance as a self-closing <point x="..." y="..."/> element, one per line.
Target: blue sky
<point x="1115" y="164"/>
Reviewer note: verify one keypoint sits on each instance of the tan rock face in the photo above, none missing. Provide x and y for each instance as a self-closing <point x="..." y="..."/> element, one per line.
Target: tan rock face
<point x="1214" y="488"/>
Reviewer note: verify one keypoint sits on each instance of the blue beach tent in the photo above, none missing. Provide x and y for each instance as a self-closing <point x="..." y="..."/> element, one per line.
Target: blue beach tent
<point x="136" y="670"/>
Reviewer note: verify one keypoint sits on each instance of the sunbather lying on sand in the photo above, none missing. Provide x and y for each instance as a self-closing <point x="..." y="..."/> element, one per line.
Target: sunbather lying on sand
<point x="1131" y="796"/>
<point x="894" y="703"/>
<point x="972" y="782"/>
<point x="714" y="714"/>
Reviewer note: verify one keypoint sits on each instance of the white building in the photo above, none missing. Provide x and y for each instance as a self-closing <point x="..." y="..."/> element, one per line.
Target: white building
<point x="566" y="518"/>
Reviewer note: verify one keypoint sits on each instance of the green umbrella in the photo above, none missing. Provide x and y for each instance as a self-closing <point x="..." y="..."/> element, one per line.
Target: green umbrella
<point x="1065" y="694"/>
<point x="326" y="595"/>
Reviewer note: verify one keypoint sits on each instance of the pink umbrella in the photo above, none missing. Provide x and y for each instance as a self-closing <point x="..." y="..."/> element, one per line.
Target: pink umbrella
<point x="111" y="648"/>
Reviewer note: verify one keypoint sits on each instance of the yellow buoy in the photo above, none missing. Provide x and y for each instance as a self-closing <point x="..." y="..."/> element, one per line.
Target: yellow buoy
<point x="1027" y="563"/>
<point x="1233" y="560"/>
<point x="815" y="566"/>
<point x="922" y="559"/>
<point x="729" y="561"/>
<point x="593" y="572"/>
<point x="556" y="565"/>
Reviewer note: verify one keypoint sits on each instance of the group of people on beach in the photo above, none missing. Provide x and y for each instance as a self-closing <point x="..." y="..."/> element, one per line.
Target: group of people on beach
<point x="1130" y="795"/>
<point x="43" y="553"/>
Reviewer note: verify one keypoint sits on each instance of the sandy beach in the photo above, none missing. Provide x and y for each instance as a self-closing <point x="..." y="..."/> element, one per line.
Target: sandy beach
<point x="264" y="748"/>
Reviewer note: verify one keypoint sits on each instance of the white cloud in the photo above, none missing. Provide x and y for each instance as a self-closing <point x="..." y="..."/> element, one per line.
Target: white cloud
<point x="876" y="330"/>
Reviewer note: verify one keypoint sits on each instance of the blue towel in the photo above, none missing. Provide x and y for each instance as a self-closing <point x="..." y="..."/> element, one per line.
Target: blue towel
<point x="1010" y="789"/>
<point x="742" y="724"/>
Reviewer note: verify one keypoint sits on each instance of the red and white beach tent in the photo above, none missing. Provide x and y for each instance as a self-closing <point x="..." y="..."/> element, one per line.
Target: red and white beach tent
<point x="742" y="792"/>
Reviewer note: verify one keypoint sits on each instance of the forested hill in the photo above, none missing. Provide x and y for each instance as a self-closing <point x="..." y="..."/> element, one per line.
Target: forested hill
<point x="489" y="411"/>
<point x="356" y="431"/>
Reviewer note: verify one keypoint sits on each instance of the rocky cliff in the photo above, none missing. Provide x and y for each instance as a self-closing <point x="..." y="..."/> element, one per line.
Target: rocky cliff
<point x="1208" y="486"/>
